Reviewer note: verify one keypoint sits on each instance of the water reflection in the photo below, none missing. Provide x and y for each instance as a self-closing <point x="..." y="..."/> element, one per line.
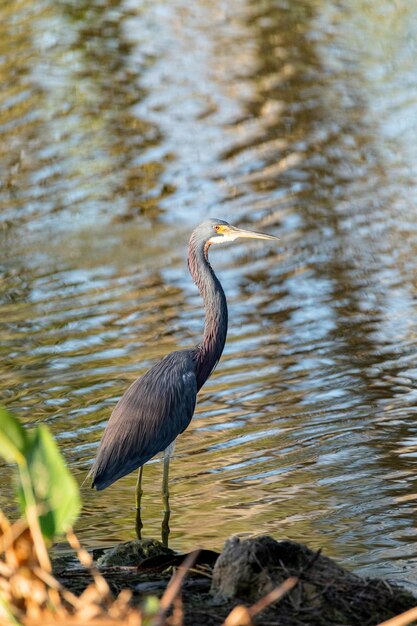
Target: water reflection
<point x="295" y="117"/>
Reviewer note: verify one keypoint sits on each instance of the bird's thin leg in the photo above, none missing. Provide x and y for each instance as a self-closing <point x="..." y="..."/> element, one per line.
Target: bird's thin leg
<point x="165" y="496"/>
<point x="165" y="499"/>
<point x="139" y="493"/>
<point x="139" y="490"/>
<point x="165" y="486"/>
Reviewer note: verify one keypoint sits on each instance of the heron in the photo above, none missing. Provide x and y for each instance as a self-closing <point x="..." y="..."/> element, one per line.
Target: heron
<point x="158" y="406"/>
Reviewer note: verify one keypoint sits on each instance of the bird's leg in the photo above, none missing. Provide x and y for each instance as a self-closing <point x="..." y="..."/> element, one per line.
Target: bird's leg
<point x="165" y="496"/>
<point x="139" y="490"/>
<point x="139" y="493"/>
<point x="165" y="486"/>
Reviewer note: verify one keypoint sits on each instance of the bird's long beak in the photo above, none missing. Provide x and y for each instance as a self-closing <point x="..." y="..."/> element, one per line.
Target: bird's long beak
<point x="249" y="234"/>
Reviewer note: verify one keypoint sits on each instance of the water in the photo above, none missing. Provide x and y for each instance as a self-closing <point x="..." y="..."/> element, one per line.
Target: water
<point x="125" y="123"/>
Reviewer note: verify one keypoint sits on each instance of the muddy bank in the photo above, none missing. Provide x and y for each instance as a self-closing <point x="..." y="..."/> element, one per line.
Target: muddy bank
<point x="246" y="571"/>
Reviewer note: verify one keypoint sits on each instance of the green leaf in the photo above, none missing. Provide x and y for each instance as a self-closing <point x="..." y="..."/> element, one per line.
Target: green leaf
<point x="150" y="608"/>
<point x="151" y="605"/>
<point x="13" y="439"/>
<point x="45" y="481"/>
<point x="56" y="491"/>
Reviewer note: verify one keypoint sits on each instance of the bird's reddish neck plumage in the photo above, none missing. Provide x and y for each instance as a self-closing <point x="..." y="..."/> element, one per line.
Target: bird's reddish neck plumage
<point x="209" y="351"/>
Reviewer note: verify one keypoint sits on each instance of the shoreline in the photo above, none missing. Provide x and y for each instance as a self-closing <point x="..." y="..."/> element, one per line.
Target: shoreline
<point x="244" y="574"/>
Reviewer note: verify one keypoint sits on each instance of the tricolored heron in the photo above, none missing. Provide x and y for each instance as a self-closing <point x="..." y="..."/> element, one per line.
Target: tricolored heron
<point x="158" y="407"/>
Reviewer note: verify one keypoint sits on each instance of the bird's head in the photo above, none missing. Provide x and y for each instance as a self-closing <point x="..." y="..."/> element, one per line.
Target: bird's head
<point x="215" y="231"/>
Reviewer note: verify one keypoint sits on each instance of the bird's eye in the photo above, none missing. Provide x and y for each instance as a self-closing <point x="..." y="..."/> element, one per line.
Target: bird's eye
<point x="217" y="228"/>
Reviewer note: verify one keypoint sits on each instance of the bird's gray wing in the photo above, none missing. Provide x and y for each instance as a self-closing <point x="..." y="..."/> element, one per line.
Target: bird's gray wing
<point x="152" y="413"/>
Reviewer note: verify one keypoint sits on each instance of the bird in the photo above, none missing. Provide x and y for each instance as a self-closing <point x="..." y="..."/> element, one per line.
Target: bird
<point x="158" y="406"/>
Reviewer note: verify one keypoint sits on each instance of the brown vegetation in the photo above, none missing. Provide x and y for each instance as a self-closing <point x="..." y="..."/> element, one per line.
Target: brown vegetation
<point x="255" y="581"/>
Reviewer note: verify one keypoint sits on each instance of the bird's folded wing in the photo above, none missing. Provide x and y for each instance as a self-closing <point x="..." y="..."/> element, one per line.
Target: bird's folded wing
<point x="152" y="413"/>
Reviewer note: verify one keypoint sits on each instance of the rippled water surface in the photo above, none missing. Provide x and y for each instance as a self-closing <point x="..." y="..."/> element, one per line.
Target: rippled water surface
<point x="122" y="125"/>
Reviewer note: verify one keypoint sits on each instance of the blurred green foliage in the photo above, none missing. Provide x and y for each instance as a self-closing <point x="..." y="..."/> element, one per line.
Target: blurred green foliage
<point x="44" y="479"/>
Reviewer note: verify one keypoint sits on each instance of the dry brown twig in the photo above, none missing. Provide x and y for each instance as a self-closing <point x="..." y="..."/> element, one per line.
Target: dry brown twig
<point x="403" y="619"/>
<point x="86" y="559"/>
<point x="174" y="587"/>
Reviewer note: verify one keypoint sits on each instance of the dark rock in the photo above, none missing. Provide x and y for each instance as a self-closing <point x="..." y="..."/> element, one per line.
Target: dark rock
<point x="325" y="594"/>
<point x="132" y="552"/>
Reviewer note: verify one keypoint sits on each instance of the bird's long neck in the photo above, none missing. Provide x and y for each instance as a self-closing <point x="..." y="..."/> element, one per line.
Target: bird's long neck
<point x="215" y="327"/>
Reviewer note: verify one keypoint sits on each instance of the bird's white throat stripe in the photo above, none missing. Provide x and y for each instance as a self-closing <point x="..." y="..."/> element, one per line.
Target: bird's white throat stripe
<point x="223" y="238"/>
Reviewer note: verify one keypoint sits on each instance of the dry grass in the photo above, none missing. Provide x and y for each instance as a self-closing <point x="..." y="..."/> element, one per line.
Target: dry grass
<point x="31" y="596"/>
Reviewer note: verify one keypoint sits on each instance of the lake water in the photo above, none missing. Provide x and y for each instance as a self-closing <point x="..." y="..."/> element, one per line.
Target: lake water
<point x="125" y="123"/>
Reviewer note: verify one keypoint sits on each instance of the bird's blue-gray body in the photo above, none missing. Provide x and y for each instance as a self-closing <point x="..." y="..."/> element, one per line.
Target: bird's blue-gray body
<point x="154" y="410"/>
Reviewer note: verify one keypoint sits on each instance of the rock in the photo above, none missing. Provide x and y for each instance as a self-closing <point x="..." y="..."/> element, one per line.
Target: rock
<point x="132" y="552"/>
<point x="325" y="594"/>
<point x="245" y="568"/>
